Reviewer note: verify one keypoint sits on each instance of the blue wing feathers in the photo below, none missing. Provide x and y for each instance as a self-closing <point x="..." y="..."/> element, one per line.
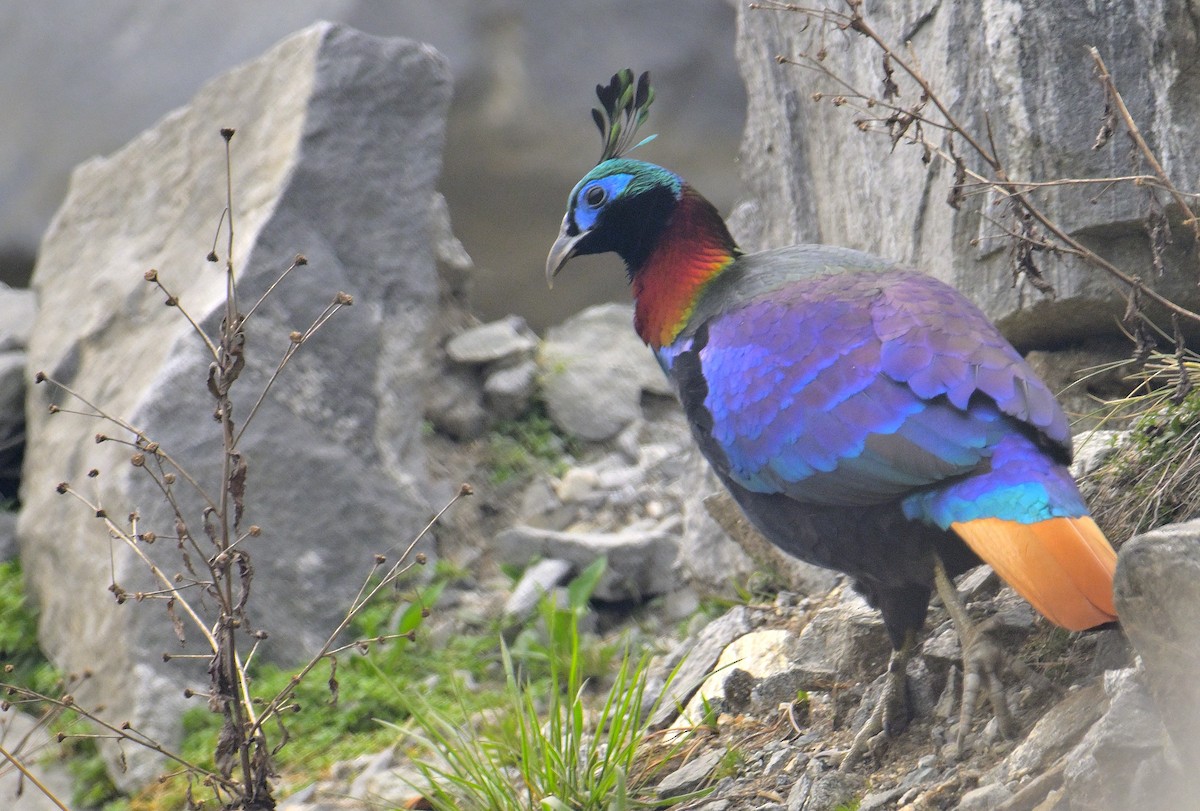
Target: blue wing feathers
<point x="867" y="387"/>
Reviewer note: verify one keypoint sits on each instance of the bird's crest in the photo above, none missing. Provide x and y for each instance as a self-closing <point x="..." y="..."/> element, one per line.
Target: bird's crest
<point x="624" y="111"/>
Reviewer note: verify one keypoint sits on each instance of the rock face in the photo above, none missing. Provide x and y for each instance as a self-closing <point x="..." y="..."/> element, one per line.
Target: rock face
<point x="813" y="177"/>
<point x="334" y="453"/>
<point x="519" y="137"/>
<point x="1157" y="593"/>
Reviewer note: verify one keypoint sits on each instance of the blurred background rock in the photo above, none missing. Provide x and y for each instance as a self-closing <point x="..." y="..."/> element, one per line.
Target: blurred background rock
<point x="79" y="79"/>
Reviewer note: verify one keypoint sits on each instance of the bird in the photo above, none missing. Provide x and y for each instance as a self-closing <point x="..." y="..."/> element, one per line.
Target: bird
<point x="865" y="416"/>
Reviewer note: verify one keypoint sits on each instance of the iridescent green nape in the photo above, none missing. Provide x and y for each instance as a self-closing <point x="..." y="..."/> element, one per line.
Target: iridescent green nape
<point x="624" y="110"/>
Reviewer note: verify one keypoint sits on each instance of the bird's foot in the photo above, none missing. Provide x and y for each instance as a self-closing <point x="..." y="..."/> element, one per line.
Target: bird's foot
<point x="984" y="660"/>
<point x="891" y="713"/>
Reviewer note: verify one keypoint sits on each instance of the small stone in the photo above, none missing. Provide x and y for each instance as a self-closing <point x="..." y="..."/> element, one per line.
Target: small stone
<point x="641" y="563"/>
<point x="984" y="798"/>
<point x="509" y="391"/>
<point x="577" y="484"/>
<point x="498" y="341"/>
<point x="692" y="776"/>
<point x="537" y="581"/>
<point x="454" y="405"/>
<point x="594" y="371"/>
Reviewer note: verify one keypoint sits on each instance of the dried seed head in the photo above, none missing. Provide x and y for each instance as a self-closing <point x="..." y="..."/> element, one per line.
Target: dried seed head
<point x="60" y="737"/>
<point x="150" y="275"/>
<point x="343" y="298"/>
<point x="227" y="133"/>
<point x="9" y="668"/>
<point x="100" y="438"/>
<point x="466" y="490"/>
<point x="259" y="635"/>
<point x="817" y="96"/>
<point x="101" y="514"/>
<point x="93" y="473"/>
<point x="300" y="260"/>
<point x="422" y="559"/>
<point x="380" y="560"/>
<point x="254" y="531"/>
<point x="40" y="377"/>
<point x="53" y="409"/>
<point x="138" y="460"/>
<point x="152" y="447"/>
<point x="169" y="478"/>
<point x="166" y="657"/>
<point x="62" y="487"/>
<point x="296" y="336"/>
<point x="171" y="301"/>
<point x="188" y="692"/>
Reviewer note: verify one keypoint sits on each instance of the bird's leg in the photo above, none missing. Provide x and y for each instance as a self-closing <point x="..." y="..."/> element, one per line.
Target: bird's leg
<point x="982" y="660"/>
<point x="890" y="714"/>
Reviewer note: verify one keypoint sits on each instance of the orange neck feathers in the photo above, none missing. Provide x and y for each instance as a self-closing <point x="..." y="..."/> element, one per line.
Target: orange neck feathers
<point x="693" y="249"/>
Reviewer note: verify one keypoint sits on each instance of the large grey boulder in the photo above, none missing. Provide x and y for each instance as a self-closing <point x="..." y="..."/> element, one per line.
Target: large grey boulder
<point x="336" y="156"/>
<point x="1020" y="71"/>
<point x="594" y="369"/>
<point x="1157" y="594"/>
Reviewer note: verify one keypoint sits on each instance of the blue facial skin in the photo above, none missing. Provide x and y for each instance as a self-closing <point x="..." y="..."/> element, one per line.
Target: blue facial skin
<point x="589" y="203"/>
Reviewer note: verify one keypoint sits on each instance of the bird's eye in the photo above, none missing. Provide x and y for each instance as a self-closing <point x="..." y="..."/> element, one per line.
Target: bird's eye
<point x="594" y="196"/>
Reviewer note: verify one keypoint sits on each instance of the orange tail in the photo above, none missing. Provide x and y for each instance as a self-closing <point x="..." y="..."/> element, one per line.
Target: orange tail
<point x="1063" y="566"/>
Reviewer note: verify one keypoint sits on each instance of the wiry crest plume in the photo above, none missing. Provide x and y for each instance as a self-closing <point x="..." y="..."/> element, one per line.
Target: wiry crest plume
<point x="624" y="110"/>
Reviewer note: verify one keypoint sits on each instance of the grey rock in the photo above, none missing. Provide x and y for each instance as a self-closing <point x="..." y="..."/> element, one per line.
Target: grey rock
<point x="454" y="404"/>
<point x="814" y="177"/>
<point x="8" y="535"/>
<point x="1157" y="595"/>
<point x="820" y="789"/>
<point x="334" y="129"/>
<point x="878" y="800"/>
<point x="1094" y="448"/>
<point x="1126" y="757"/>
<point x="12" y="420"/>
<point x="1054" y="734"/>
<point x="691" y="776"/>
<point x="509" y="391"/>
<point x="843" y="641"/>
<point x="18" y="307"/>
<point x="496" y="342"/>
<point x="594" y="370"/>
<point x="753" y="670"/>
<point x="694" y="659"/>
<point x="380" y="762"/>
<point x="537" y="581"/>
<point x="640" y="563"/>
<point x="984" y="798"/>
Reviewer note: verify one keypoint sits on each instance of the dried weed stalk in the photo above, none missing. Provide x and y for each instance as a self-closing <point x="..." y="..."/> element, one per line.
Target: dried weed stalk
<point x="216" y="562"/>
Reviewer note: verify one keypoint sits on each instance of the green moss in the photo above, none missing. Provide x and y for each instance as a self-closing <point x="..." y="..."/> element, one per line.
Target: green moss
<point x="519" y="449"/>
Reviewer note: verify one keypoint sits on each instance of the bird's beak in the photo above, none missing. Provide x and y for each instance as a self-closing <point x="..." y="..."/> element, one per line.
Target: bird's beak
<point x="560" y="252"/>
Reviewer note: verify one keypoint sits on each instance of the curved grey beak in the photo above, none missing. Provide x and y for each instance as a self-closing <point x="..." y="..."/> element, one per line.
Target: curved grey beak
<point x="560" y="253"/>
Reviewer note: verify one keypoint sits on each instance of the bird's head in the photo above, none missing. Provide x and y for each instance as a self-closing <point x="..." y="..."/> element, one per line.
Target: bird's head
<point x="620" y="206"/>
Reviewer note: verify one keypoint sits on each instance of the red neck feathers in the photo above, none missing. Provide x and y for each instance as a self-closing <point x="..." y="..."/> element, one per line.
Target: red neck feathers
<point x="692" y="250"/>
